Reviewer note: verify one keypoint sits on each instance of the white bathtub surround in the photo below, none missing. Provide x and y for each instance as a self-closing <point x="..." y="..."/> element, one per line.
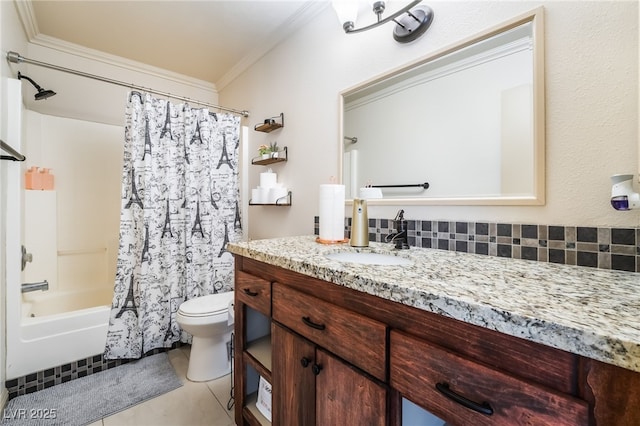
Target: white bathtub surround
<point x="180" y="207"/>
<point x="71" y="233"/>
<point x="586" y="311"/>
<point x="54" y="340"/>
<point x="41" y="236"/>
<point x="39" y="304"/>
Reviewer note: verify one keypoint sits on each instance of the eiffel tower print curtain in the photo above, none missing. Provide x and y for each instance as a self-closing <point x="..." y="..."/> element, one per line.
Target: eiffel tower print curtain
<point x="179" y="209"/>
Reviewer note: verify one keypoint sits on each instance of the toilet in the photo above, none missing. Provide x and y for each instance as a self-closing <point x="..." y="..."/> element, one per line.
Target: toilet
<point x="206" y="318"/>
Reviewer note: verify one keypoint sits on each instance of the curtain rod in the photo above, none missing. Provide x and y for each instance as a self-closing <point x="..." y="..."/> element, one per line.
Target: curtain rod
<point x="16" y="59"/>
<point x="15" y="155"/>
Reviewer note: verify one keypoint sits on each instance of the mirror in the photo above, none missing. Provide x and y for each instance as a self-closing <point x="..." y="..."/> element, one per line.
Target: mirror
<point x="468" y="120"/>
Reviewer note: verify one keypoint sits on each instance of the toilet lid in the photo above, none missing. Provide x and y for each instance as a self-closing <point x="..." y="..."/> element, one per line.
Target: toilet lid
<point x="207" y="305"/>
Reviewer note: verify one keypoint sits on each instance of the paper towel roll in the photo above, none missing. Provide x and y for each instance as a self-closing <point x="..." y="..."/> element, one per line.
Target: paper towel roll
<point x="331" y="212"/>
<point x="370" y="193"/>
<point x="268" y="180"/>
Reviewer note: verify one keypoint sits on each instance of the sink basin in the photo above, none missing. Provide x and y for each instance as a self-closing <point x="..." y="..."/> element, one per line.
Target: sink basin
<point x="368" y="258"/>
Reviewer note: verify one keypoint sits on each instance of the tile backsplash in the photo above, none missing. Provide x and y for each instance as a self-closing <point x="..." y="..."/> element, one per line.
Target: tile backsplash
<point x="605" y="248"/>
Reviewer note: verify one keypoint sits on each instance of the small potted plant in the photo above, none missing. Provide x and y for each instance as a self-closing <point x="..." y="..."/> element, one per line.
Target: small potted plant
<point x="274" y="149"/>
<point x="264" y="151"/>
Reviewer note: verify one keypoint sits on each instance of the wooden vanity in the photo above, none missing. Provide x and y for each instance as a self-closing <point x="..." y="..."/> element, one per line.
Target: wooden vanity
<point x="336" y="355"/>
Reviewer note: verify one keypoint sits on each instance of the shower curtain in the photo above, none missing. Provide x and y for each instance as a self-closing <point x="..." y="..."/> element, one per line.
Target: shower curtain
<point x="180" y="207"/>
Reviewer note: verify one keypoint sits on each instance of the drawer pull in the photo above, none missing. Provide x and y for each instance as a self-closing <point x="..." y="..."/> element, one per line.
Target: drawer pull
<point x="483" y="408"/>
<point x="305" y="362"/>
<point x="248" y="292"/>
<point x="316" y="369"/>
<point x="312" y="324"/>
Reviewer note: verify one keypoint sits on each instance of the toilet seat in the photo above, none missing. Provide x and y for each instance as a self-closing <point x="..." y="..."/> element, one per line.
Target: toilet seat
<point x="204" y="306"/>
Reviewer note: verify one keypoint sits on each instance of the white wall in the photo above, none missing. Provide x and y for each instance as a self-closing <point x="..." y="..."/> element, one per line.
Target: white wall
<point x="83" y="210"/>
<point x="591" y="107"/>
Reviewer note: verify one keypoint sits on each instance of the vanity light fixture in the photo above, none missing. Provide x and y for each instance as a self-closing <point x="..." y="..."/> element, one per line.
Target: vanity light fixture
<point x="411" y="22"/>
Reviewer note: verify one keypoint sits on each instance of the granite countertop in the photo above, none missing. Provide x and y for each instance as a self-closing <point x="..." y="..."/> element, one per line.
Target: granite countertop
<point x="586" y="311"/>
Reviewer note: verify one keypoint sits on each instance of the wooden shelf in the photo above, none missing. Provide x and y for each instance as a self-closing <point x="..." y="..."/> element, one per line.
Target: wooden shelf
<point x="283" y="202"/>
<point x="258" y="355"/>
<point x="282" y="156"/>
<point x="251" y="412"/>
<point x="260" y="349"/>
<point x="270" y="124"/>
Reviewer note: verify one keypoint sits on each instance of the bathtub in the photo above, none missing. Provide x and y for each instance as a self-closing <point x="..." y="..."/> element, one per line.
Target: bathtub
<point x="57" y="328"/>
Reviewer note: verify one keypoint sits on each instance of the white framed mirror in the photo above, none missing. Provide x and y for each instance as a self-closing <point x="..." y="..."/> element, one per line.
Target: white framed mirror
<point x="468" y="120"/>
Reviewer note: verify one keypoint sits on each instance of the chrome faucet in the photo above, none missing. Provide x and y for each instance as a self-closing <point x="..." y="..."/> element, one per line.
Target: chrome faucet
<point x="27" y="287"/>
<point x="401" y="236"/>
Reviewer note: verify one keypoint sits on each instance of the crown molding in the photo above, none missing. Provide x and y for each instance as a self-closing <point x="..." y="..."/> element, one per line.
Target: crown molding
<point x="27" y="17"/>
<point x="297" y="20"/>
<point x="120" y="62"/>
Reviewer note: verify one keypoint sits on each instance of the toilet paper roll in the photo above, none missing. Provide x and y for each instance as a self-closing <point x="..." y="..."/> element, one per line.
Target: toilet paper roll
<point x="255" y="196"/>
<point x="263" y="195"/>
<point x="268" y="179"/>
<point x="277" y="193"/>
<point x="331" y="212"/>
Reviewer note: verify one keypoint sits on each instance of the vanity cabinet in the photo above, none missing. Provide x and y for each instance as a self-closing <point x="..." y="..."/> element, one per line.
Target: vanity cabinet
<point x="311" y="384"/>
<point x="370" y="353"/>
<point x="313" y="387"/>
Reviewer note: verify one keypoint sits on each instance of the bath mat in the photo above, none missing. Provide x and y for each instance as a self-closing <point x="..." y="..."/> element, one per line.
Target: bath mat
<point x="90" y="398"/>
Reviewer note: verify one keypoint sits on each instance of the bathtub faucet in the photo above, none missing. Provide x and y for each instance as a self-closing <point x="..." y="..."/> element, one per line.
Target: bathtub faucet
<point x="27" y="287"/>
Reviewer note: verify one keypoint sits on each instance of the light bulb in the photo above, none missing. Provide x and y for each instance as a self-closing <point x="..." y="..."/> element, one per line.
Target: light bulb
<point x="347" y="11"/>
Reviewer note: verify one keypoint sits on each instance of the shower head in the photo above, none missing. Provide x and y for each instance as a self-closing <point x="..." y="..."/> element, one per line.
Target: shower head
<point x="42" y="93"/>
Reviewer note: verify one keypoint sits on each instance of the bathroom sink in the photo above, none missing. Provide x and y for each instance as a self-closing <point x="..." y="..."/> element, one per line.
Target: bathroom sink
<point x="368" y="258"/>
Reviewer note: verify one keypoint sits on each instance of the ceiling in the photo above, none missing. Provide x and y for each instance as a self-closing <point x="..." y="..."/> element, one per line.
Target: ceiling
<point x="211" y="40"/>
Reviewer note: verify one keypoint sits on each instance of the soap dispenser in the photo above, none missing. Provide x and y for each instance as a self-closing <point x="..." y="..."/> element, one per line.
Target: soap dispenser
<point x="359" y="224"/>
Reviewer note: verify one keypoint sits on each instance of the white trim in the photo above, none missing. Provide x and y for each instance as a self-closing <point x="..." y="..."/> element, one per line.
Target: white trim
<point x="28" y="18"/>
<point x="296" y="21"/>
<point x="118" y="61"/>
<point x="538" y="196"/>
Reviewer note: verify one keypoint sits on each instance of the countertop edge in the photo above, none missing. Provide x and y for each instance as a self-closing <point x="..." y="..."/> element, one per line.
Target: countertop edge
<point x="584" y="342"/>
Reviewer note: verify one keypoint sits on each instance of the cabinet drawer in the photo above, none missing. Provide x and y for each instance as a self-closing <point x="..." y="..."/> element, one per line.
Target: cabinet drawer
<point x="353" y="337"/>
<point x="459" y="390"/>
<point x="254" y="291"/>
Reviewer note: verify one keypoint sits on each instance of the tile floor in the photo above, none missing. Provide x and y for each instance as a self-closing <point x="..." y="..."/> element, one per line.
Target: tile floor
<point x="190" y="405"/>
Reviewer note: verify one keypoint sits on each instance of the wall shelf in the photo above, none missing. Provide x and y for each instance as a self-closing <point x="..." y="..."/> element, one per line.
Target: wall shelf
<point x="270" y="124"/>
<point x="282" y="156"/>
<point x="282" y="201"/>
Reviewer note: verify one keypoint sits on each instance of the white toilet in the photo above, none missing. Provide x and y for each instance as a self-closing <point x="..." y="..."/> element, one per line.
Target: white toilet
<point x="206" y="318"/>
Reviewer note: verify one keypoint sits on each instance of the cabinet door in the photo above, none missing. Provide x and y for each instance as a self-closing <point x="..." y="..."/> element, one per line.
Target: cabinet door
<point x="293" y="380"/>
<point x="345" y="396"/>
